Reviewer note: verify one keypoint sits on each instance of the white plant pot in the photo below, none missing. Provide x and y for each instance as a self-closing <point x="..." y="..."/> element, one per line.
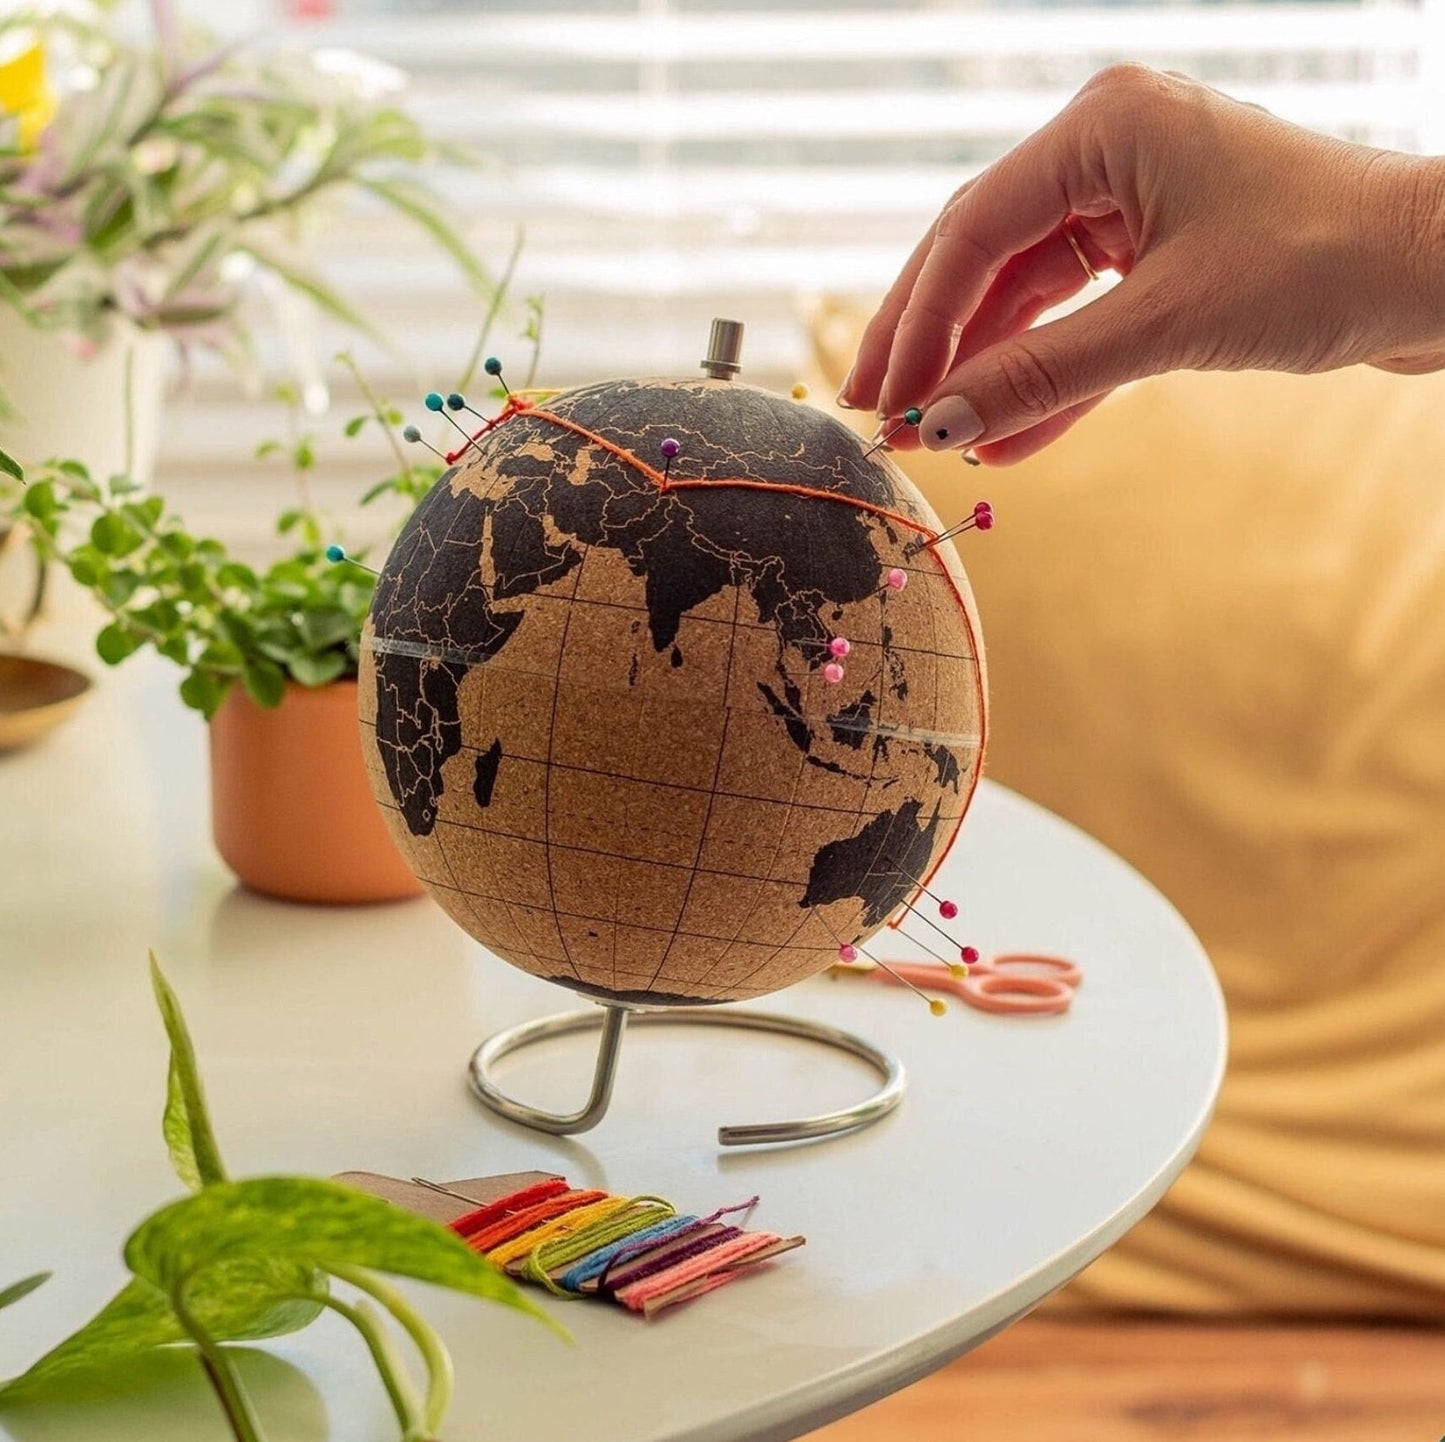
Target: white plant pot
<point x="67" y="404"/>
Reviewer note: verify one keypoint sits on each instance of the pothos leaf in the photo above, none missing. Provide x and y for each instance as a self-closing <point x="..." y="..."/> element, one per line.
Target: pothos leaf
<point x="309" y="1223"/>
<point x="240" y="1300"/>
<point x="134" y="1321"/>
<point x="186" y="1124"/>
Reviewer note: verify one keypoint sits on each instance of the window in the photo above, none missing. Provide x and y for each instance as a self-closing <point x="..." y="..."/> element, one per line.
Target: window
<point x="671" y="160"/>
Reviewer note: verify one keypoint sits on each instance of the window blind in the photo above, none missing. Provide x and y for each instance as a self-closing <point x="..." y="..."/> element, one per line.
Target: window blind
<point x="671" y="160"/>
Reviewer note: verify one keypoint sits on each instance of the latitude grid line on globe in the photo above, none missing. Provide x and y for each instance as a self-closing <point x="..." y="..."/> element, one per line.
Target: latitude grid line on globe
<point x="651" y="861"/>
<point x="646" y="781"/>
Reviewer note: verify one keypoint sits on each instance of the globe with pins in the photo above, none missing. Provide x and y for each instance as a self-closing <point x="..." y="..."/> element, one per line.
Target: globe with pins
<point x="673" y="690"/>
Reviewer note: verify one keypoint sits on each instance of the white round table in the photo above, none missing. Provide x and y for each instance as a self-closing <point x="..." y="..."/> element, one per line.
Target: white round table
<point x="337" y="1039"/>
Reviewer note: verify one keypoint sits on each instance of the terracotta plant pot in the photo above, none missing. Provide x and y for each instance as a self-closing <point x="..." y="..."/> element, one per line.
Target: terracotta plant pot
<point x="291" y="809"/>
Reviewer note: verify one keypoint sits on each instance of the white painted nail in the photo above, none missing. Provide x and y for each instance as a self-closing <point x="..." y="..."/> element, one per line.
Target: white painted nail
<point x="948" y="424"/>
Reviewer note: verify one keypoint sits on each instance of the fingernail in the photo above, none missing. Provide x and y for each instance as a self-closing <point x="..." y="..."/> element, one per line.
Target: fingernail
<point x="971" y="459"/>
<point x="878" y="434"/>
<point x="948" y="424"/>
<point x="843" y="392"/>
<point x="843" y="404"/>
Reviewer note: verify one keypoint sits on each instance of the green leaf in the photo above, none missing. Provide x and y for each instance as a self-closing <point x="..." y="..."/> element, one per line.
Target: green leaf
<point x="175" y="648"/>
<point x="310" y="1223"/>
<point x="145" y="513"/>
<point x="265" y="681"/>
<point x="240" y="1301"/>
<point x="22" y="1288"/>
<point x="324" y="626"/>
<point x="135" y="1320"/>
<point x="318" y="670"/>
<point x="279" y="645"/>
<point x="41" y="501"/>
<point x="116" y="642"/>
<point x="192" y="578"/>
<point x="354" y="425"/>
<point x="86" y="566"/>
<point x="236" y="574"/>
<point x="236" y="630"/>
<point x="186" y="1124"/>
<point x="112" y="535"/>
<point x="204" y="691"/>
<point x="120" y="586"/>
<point x="162" y="616"/>
<point x="222" y="655"/>
<point x="11" y="467"/>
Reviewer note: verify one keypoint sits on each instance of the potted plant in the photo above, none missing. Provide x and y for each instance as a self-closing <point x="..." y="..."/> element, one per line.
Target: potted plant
<point x="141" y="184"/>
<point x="268" y="655"/>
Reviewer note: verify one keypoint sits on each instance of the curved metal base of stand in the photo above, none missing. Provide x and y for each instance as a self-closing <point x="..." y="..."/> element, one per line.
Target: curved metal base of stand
<point x="613" y="1020"/>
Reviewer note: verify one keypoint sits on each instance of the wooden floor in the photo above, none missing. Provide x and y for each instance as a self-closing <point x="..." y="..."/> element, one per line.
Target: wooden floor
<point x="1048" y="1380"/>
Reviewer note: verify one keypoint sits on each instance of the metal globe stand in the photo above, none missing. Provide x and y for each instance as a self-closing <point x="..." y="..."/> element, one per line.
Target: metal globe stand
<point x="612" y="1020"/>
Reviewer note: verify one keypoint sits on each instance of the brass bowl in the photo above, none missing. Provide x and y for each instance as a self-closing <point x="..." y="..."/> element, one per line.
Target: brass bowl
<point x="35" y="695"/>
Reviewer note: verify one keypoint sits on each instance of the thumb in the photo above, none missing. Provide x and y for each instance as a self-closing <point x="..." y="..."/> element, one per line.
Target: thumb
<point x="1128" y="333"/>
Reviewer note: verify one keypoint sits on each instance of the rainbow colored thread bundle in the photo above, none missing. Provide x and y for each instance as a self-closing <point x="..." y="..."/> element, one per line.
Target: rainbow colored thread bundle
<point x="637" y="1251"/>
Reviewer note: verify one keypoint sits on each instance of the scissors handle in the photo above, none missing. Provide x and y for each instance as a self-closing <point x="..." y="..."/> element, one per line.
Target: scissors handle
<point x="1016" y="994"/>
<point x="1031" y="963"/>
<point x="1007" y="985"/>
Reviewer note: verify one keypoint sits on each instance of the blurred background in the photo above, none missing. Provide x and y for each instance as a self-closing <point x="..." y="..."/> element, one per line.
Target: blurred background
<point x="665" y="161"/>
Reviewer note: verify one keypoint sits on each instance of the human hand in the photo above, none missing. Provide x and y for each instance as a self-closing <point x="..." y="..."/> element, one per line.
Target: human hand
<point x="1244" y="242"/>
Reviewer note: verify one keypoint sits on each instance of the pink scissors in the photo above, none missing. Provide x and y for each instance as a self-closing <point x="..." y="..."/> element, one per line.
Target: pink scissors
<point x="1017" y="983"/>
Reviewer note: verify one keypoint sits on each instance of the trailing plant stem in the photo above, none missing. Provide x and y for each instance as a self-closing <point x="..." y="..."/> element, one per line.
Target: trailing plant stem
<point x="434" y="1353"/>
<point x="379" y="411"/>
<point x="404" y="1400"/>
<point x="245" y="1426"/>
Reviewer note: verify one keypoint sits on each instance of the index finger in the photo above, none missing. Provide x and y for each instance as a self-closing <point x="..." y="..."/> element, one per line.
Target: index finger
<point x="863" y="383"/>
<point x="1013" y="205"/>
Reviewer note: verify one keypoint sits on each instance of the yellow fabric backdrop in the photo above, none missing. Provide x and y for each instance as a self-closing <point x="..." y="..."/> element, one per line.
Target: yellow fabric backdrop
<point x="1215" y="622"/>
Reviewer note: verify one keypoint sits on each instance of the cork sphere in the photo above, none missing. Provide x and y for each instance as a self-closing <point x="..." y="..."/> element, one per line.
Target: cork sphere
<point x="606" y="713"/>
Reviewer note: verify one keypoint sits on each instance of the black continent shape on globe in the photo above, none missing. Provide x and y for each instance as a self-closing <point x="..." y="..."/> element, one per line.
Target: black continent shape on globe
<point x="434" y="619"/>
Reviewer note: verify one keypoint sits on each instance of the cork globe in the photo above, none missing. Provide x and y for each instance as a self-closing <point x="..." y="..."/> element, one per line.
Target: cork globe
<point x="666" y="695"/>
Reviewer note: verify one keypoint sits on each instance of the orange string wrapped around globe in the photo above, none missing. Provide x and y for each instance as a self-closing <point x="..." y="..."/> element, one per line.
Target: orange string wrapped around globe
<point x="671" y="728"/>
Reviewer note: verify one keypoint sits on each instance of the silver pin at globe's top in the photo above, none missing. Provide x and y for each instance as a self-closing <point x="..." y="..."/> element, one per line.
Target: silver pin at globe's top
<point x="724" y="350"/>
